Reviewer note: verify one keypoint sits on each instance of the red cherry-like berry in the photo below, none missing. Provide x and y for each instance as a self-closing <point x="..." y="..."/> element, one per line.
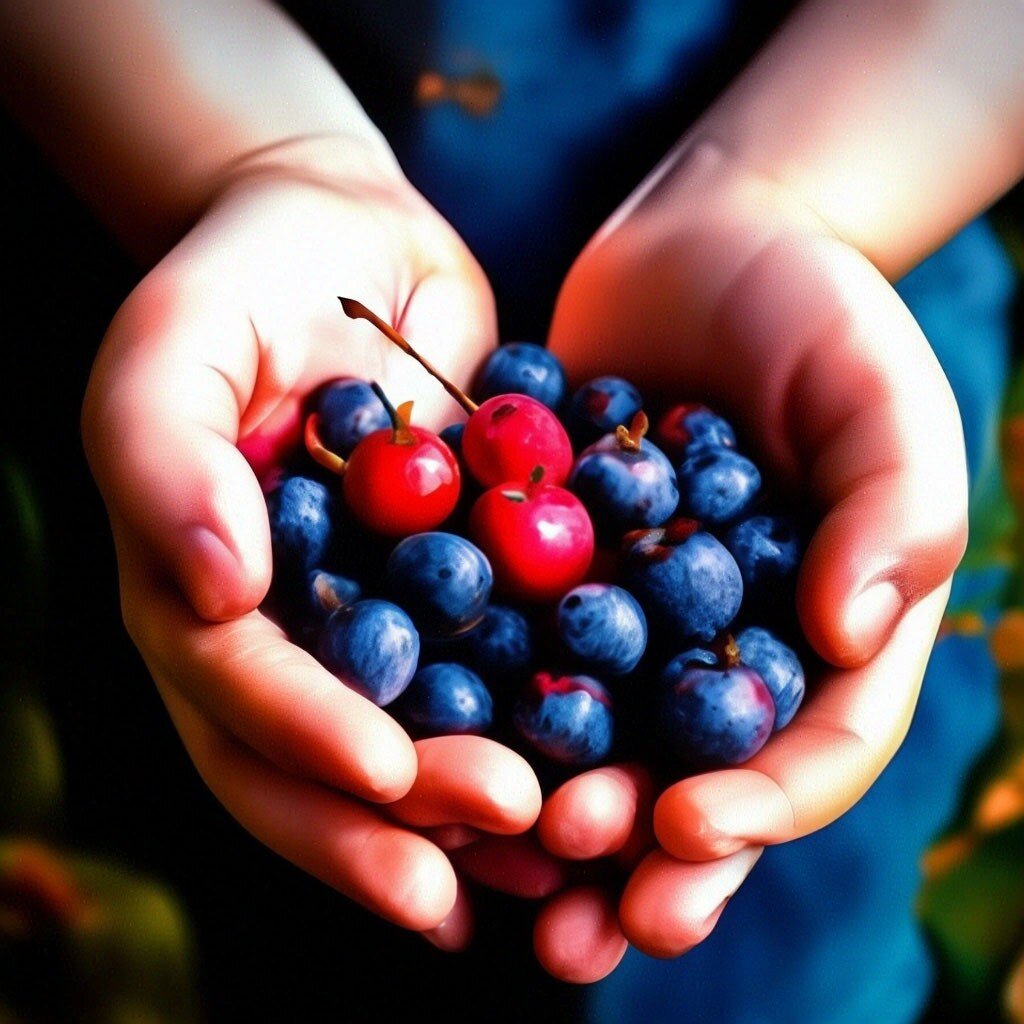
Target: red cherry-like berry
<point x="401" y="487"/>
<point x="508" y="436"/>
<point x="397" y="481"/>
<point x="538" y="538"/>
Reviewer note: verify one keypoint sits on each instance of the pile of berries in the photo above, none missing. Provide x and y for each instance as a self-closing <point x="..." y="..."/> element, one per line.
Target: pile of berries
<point x="566" y="585"/>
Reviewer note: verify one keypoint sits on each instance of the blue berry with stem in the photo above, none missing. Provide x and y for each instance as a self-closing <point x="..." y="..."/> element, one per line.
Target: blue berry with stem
<point x="625" y="481"/>
<point x="713" y="715"/>
<point x="599" y="406"/>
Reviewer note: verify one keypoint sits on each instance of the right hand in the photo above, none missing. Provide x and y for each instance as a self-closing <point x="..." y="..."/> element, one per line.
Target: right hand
<point x="219" y="342"/>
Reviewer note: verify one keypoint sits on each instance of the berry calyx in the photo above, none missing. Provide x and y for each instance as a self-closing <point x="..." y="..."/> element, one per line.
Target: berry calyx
<point x="629" y="438"/>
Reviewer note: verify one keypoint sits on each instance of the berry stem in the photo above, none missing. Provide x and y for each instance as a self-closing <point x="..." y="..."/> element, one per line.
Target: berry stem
<point x="321" y="455"/>
<point x="629" y="438"/>
<point x="401" y="434"/>
<point x="326" y="594"/>
<point x="731" y="652"/>
<point x="355" y="310"/>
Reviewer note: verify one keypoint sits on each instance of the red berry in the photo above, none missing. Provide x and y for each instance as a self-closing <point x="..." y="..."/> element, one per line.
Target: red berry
<point x="401" y="486"/>
<point x="538" y="537"/>
<point x="508" y="436"/>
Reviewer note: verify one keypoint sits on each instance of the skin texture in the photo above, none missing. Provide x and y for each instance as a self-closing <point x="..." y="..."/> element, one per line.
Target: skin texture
<point x="776" y="228"/>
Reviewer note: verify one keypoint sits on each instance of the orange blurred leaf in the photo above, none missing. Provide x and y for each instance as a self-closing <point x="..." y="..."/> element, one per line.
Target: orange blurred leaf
<point x="1006" y="640"/>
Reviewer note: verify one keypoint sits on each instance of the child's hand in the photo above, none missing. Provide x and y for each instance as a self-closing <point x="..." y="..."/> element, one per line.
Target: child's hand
<point x="715" y="284"/>
<point x="222" y="339"/>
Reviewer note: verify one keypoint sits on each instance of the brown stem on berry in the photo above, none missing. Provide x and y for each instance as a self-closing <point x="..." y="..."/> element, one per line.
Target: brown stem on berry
<point x="355" y="310"/>
<point x="536" y="476"/>
<point x="400" y="417"/>
<point x="731" y="651"/>
<point x="629" y="438"/>
<point x="320" y="454"/>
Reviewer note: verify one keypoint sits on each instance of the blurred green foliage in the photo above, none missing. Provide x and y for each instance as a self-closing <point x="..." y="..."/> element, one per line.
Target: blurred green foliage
<point x="81" y="939"/>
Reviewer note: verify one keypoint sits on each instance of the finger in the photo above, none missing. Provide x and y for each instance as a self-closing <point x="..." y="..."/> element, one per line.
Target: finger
<point x="455" y="932"/>
<point x="818" y="766"/>
<point x="473" y="781"/>
<point x="577" y="936"/>
<point x="387" y="869"/>
<point x="593" y="815"/>
<point x="451" y="837"/>
<point x="516" y="865"/>
<point x="669" y="906"/>
<point x="160" y="421"/>
<point x="449" y="317"/>
<point x="270" y="694"/>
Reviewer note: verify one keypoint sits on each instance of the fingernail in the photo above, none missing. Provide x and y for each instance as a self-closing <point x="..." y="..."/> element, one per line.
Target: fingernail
<point x="746" y="805"/>
<point x="872" y="613"/>
<point x="455" y="932"/>
<point x="208" y="572"/>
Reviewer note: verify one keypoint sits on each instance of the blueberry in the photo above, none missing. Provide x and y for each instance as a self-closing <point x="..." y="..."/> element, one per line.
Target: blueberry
<point x="444" y="580"/>
<point x="604" y="627"/>
<point x="349" y="410"/>
<point x="373" y="647"/>
<point x="445" y="699"/>
<point x="717" y="485"/>
<point x="778" y="666"/>
<point x="452" y="436"/>
<point x="687" y="428"/>
<point x="301" y="513"/>
<point x="685" y="659"/>
<point x="693" y="588"/>
<point x="305" y="613"/>
<point x="711" y="716"/>
<point x="768" y="550"/>
<point x="500" y="645"/>
<point x="623" y="488"/>
<point x="600" y="406"/>
<point x="568" y="719"/>
<point x="521" y="367"/>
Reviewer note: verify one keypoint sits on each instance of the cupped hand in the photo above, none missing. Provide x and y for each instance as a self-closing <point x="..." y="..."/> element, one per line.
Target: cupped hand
<point x="218" y="345"/>
<point x="713" y="284"/>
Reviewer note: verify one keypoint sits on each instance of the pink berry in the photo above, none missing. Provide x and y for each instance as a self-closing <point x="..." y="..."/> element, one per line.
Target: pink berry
<point x="538" y="537"/>
<point x="508" y="436"/>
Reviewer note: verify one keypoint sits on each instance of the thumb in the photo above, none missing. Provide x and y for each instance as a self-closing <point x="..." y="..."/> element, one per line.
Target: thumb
<point x="159" y="424"/>
<point x="872" y="428"/>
